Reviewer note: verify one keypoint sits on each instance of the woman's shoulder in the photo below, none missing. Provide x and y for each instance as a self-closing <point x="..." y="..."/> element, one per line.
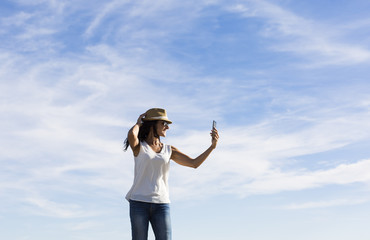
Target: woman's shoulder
<point x="167" y="147"/>
<point x="173" y="148"/>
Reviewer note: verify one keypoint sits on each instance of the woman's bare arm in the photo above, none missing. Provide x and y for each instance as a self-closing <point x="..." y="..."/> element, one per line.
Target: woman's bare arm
<point x="187" y="161"/>
<point x="132" y="136"/>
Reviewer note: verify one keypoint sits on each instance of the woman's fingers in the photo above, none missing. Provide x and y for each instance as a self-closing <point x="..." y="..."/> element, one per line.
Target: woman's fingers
<point x="214" y="134"/>
<point x="140" y="119"/>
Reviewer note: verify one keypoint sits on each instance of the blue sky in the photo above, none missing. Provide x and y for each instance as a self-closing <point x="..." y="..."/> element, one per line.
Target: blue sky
<point x="287" y="82"/>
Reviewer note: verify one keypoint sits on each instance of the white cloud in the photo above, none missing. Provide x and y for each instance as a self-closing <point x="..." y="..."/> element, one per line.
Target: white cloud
<point x="319" y="42"/>
<point x="278" y="181"/>
<point x="69" y="118"/>
<point x="18" y="19"/>
<point x="65" y="119"/>
<point x="44" y="207"/>
<point x="325" y="204"/>
<point x="252" y="160"/>
<point x="107" y="9"/>
<point x="85" y="225"/>
<point x="74" y="116"/>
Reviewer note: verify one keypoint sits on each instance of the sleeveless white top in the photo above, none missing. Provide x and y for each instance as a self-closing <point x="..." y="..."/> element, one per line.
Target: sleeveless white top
<point x="151" y="175"/>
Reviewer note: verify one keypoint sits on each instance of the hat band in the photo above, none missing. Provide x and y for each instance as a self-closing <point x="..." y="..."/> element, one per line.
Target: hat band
<point x="161" y="117"/>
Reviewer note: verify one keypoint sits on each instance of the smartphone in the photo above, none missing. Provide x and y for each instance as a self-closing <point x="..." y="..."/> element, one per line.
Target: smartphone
<point x="214" y="124"/>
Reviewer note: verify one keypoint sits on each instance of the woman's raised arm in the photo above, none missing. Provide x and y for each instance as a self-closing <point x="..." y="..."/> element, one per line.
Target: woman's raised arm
<point x="187" y="161"/>
<point x="132" y="136"/>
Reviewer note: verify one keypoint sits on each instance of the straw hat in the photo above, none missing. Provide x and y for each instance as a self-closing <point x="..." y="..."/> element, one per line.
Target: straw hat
<point x="154" y="114"/>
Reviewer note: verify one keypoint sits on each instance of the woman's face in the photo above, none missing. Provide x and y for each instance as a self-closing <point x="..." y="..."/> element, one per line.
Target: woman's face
<point x="162" y="127"/>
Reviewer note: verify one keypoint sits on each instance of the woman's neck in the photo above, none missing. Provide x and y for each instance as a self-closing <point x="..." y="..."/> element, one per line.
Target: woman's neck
<point x="152" y="140"/>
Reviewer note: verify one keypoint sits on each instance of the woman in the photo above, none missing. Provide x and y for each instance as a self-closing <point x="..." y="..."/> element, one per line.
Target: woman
<point x="148" y="196"/>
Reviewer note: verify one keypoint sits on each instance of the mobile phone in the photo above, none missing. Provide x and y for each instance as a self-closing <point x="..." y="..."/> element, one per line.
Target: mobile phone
<point x="214" y="124"/>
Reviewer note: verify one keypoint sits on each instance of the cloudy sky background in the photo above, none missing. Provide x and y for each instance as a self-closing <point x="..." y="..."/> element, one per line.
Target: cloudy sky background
<point x="287" y="82"/>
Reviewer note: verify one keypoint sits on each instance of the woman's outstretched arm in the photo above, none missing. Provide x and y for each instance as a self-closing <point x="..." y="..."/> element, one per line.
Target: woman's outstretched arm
<point x="187" y="161"/>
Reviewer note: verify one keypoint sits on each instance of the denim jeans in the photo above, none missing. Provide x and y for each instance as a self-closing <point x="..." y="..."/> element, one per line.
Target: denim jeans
<point x="158" y="214"/>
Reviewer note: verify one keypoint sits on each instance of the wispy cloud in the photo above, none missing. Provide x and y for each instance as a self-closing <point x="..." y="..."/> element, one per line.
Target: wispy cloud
<point x="107" y="9"/>
<point x="326" y="204"/>
<point x="252" y="160"/>
<point x="49" y="208"/>
<point x="280" y="181"/>
<point x="66" y="113"/>
<point x="74" y="117"/>
<point x="322" y="44"/>
<point x="89" y="117"/>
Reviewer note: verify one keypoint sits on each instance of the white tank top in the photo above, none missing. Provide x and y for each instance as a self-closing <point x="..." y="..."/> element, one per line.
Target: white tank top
<point x="151" y="175"/>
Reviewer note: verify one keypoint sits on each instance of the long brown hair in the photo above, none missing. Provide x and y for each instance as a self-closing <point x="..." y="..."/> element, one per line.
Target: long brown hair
<point x="144" y="131"/>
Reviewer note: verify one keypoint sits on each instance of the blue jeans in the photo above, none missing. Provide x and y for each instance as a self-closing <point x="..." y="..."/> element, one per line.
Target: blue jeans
<point x="158" y="214"/>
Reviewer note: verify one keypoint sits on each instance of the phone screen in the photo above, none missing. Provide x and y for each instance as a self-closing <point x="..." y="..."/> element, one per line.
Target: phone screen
<point x="214" y="124"/>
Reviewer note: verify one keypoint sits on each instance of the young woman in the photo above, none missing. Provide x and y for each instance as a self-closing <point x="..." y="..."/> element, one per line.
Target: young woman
<point x="148" y="196"/>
